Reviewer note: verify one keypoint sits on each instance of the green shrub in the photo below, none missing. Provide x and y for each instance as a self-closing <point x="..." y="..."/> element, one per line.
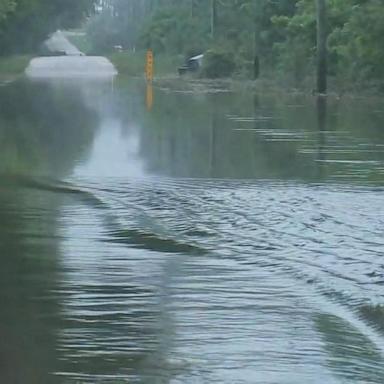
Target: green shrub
<point x="218" y="63"/>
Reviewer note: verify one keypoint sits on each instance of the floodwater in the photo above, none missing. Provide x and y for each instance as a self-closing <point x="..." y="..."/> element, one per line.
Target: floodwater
<point x="207" y="237"/>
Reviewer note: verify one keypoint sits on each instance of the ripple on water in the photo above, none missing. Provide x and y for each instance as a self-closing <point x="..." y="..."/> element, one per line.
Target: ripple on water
<point x="285" y="284"/>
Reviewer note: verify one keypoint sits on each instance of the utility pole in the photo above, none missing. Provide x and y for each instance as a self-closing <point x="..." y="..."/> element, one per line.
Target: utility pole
<point x="321" y="16"/>
<point x="213" y="18"/>
<point x="256" y="43"/>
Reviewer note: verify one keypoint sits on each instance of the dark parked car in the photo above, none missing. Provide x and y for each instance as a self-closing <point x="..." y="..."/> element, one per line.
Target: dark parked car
<point x="193" y="64"/>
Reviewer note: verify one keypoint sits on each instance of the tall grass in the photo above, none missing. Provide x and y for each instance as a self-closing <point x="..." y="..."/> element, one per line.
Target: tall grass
<point x="13" y="65"/>
<point x="133" y="64"/>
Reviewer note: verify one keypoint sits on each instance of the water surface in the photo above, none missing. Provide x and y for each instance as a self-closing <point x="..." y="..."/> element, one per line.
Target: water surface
<point x="216" y="238"/>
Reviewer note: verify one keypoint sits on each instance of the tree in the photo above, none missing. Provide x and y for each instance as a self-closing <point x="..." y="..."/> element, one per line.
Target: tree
<point x="27" y="23"/>
<point x="281" y="37"/>
<point x="6" y="6"/>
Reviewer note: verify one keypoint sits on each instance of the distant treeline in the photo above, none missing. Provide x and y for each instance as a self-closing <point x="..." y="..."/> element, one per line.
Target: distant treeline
<point x="24" y="24"/>
<point x="281" y="34"/>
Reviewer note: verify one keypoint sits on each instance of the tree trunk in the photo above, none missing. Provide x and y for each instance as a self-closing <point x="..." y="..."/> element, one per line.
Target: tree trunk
<point x="321" y="46"/>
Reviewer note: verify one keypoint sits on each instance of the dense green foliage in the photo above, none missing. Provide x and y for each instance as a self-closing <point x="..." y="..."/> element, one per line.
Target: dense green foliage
<point x="281" y="34"/>
<point x="25" y="23"/>
<point x="218" y="63"/>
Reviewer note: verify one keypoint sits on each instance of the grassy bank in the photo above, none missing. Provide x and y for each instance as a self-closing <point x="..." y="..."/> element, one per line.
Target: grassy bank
<point x="166" y="75"/>
<point x="130" y="63"/>
<point x="133" y="64"/>
<point x="13" y="66"/>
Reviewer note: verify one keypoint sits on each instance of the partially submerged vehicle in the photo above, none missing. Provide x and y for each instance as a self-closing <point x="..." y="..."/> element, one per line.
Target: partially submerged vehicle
<point x="193" y="64"/>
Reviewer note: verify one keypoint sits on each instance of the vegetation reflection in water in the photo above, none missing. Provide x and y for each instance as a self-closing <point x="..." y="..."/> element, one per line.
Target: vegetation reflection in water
<point x="234" y="253"/>
<point x="286" y="137"/>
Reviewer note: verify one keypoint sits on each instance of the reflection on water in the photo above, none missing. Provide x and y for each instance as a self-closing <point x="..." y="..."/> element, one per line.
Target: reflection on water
<point x="225" y="135"/>
<point x="214" y="237"/>
<point x="44" y="129"/>
<point x="29" y="289"/>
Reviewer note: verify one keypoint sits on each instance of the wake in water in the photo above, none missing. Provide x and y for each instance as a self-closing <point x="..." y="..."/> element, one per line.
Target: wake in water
<point x="280" y="271"/>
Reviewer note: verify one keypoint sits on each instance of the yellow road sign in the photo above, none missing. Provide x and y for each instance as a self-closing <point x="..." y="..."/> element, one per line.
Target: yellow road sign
<point x="149" y="66"/>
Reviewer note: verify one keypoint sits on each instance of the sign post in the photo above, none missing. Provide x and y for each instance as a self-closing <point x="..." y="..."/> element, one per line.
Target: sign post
<point x="149" y="77"/>
<point x="149" y="66"/>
